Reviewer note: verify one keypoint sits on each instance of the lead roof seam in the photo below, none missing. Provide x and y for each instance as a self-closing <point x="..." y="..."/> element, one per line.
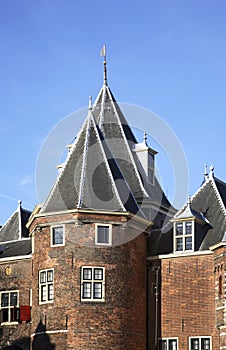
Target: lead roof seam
<point x="107" y="165"/>
<point x="84" y="162"/>
<point x="218" y="196"/>
<point x="126" y="143"/>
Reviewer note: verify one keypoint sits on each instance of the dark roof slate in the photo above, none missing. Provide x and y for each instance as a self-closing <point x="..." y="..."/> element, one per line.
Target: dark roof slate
<point x="15" y="227"/>
<point x="102" y="171"/>
<point x="16" y="248"/>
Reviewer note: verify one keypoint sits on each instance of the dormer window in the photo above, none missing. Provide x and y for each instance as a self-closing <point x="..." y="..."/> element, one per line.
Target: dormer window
<point x="184" y="236"/>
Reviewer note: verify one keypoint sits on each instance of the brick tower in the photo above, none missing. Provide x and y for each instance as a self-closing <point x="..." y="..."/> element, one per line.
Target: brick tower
<point x="89" y="238"/>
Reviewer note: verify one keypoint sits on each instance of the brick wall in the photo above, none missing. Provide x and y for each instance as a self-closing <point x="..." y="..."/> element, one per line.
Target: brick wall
<point x="16" y="275"/>
<point x="188" y="299"/>
<point x="117" y="323"/>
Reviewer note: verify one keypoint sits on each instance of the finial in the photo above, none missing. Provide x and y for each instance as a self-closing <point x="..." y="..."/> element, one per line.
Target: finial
<point x="90" y="103"/>
<point x="205" y="172"/>
<point x="211" y="171"/>
<point x="103" y="54"/>
<point x="189" y="199"/>
<point x="19" y="202"/>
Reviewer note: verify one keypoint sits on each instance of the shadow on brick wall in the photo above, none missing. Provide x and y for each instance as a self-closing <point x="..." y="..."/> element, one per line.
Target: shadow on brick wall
<point x="41" y="339"/>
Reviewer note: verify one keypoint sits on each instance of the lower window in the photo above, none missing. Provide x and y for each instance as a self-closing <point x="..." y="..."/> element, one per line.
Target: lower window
<point x="92" y="283"/>
<point x="168" y="344"/>
<point x="46" y="292"/>
<point x="9" y="305"/>
<point x="200" y="343"/>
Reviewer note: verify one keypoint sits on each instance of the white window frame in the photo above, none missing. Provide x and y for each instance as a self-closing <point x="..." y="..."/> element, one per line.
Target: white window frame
<point x="92" y="281"/>
<point x="9" y="307"/>
<point x="52" y="232"/>
<point x="200" y="339"/>
<point x="109" y="243"/>
<point x="46" y="284"/>
<point x="167" y="342"/>
<point x="183" y="235"/>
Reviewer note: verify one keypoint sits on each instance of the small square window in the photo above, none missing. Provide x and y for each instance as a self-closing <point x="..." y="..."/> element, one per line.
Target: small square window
<point x="57" y="235"/>
<point x="168" y="344"/>
<point x="184" y="236"/>
<point x="200" y="343"/>
<point x="103" y="234"/>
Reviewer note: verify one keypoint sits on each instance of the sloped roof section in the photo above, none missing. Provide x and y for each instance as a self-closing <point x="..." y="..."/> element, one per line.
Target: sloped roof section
<point x="15" y="228"/>
<point x="208" y="200"/>
<point x="91" y="178"/>
<point x="121" y="140"/>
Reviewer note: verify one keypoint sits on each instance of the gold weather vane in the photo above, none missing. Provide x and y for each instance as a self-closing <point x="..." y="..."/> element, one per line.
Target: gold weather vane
<point x="103" y="54"/>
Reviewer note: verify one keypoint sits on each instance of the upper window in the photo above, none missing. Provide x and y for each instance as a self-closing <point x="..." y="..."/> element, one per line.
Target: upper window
<point x="57" y="235"/>
<point x="200" y="343"/>
<point x="168" y="344"/>
<point x="9" y="303"/>
<point x="46" y="291"/>
<point x="103" y="234"/>
<point x="183" y="236"/>
<point x="92" y="283"/>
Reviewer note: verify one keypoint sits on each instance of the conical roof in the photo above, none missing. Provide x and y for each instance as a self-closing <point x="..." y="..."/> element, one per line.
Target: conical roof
<point x="102" y="171"/>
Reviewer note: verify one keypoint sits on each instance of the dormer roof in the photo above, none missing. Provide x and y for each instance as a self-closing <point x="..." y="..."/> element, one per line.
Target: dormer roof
<point x="14" y="236"/>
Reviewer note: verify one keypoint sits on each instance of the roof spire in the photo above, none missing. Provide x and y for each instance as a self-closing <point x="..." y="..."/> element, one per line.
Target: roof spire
<point x="211" y="175"/>
<point x="90" y="103"/>
<point x="103" y="54"/>
<point x="205" y="172"/>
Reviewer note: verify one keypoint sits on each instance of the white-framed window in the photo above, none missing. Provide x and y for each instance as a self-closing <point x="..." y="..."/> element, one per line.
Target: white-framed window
<point x="184" y="236"/>
<point x="103" y="234"/>
<point x="168" y="344"/>
<point x="9" y="305"/>
<point x="57" y="235"/>
<point x="200" y="343"/>
<point x="46" y="286"/>
<point x="92" y="283"/>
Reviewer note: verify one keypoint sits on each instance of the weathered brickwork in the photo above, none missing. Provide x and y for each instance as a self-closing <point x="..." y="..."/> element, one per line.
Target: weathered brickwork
<point x="188" y="299"/>
<point x="15" y="275"/>
<point x="119" y="322"/>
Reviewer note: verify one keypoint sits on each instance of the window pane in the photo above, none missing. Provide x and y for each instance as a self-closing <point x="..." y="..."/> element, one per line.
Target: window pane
<point x="5" y="315"/>
<point x="179" y="244"/>
<point x="172" y="344"/>
<point x="87" y="274"/>
<point x="97" y="291"/>
<point x="50" y="276"/>
<point x="5" y="299"/>
<point x="103" y="234"/>
<point x="195" y="344"/>
<point x="43" y="293"/>
<point x="42" y="277"/>
<point x="205" y="344"/>
<point x="13" y="298"/>
<point x="179" y="229"/>
<point x="58" y="233"/>
<point x="163" y="344"/>
<point x="98" y="274"/>
<point x="87" y="290"/>
<point x="188" y="228"/>
<point x="50" y="292"/>
<point x="188" y="243"/>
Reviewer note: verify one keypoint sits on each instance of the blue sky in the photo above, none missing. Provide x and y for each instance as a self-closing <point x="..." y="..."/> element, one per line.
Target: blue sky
<point x="168" y="56"/>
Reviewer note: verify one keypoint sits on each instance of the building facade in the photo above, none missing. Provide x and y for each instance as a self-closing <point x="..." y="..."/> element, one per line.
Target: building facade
<point x="106" y="262"/>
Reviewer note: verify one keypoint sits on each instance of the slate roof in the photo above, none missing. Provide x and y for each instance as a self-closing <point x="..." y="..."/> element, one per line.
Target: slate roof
<point x="210" y="200"/>
<point x="102" y="171"/>
<point x="14" y="236"/>
<point x="208" y="205"/>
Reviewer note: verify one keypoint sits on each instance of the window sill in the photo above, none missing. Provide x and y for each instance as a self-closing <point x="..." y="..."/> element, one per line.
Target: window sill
<point x="9" y="323"/>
